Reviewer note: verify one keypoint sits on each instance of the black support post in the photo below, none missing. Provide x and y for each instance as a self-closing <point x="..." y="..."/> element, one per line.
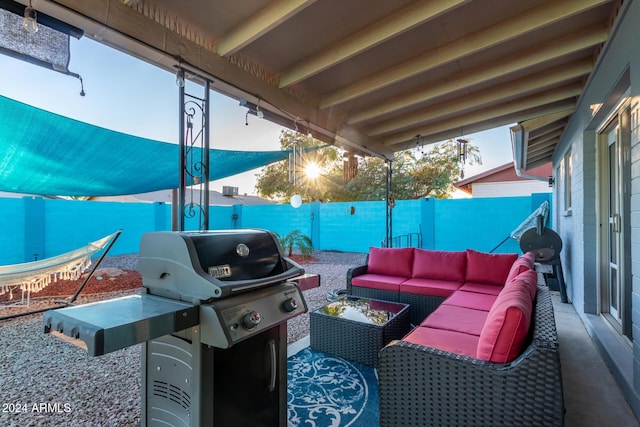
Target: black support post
<point x="390" y="204"/>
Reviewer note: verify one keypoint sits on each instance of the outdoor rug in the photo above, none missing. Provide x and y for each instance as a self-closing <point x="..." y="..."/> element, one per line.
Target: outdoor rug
<point x="326" y="391"/>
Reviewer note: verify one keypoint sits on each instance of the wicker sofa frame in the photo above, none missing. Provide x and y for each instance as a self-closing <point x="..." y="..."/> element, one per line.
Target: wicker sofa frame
<point x="423" y="386"/>
<point x="355" y="340"/>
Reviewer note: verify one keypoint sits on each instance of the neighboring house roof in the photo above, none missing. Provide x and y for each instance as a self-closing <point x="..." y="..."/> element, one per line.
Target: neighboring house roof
<point x="215" y="198"/>
<point x="11" y="195"/>
<point x="501" y="174"/>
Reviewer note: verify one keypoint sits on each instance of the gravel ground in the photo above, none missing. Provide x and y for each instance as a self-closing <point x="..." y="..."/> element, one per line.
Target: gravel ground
<point x="45" y="381"/>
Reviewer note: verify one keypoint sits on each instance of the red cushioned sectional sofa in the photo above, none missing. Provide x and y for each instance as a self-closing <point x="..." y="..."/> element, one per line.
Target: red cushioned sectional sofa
<point x="483" y="327"/>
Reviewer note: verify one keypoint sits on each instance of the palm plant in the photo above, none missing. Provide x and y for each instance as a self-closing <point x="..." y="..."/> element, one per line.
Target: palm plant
<point x="298" y="240"/>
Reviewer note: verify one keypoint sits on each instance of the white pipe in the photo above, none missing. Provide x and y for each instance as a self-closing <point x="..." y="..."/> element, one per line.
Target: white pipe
<point x="518" y="138"/>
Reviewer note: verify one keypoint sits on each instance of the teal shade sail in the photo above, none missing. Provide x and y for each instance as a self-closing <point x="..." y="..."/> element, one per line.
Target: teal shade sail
<point x="49" y="154"/>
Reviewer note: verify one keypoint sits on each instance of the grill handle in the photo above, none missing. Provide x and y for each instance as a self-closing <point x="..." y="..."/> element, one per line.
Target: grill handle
<point x="540" y="225"/>
<point x="272" y="365"/>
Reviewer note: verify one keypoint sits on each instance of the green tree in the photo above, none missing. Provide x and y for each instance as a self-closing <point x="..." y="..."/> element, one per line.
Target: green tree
<point x="428" y="173"/>
<point x="431" y="173"/>
<point x="439" y="168"/>
<point x="276" y="181"/>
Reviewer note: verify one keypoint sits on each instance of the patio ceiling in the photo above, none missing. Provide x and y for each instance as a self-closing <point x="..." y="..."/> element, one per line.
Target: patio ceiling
<point x="372" y="76"/>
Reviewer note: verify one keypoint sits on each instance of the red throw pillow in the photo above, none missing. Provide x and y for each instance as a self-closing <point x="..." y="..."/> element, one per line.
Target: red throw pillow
<point x="487" y="268"/>
<point x="528" y="279"/>
<point x="439" y="265"/>
<point x="390" y="261"/>
<point x="524" y="263"/>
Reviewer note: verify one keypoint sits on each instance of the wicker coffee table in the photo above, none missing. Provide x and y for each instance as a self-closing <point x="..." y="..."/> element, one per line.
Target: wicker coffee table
<point x="356" y="328"/>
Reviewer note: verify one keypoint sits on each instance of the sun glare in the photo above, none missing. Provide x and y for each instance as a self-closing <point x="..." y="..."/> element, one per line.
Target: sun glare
<point x="312" y="170"/>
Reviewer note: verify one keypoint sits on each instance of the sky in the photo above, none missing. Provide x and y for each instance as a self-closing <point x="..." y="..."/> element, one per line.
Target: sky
<point x="128" y="95"/>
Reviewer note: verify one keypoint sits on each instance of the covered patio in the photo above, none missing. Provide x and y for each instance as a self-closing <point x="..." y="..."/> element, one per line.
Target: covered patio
<point x="377" y="77"/>
<point x="592" y="397"/>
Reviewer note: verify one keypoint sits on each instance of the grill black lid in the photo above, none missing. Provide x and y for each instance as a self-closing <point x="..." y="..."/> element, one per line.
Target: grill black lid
<point x="198" y="266"/>
<point x="234" y="255"/>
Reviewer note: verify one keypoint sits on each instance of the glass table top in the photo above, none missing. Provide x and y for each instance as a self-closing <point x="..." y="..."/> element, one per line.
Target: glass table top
<point x="364" y="310"/>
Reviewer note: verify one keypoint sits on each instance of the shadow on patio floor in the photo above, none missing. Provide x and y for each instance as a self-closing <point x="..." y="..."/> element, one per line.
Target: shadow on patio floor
<point x="591" y="395"/>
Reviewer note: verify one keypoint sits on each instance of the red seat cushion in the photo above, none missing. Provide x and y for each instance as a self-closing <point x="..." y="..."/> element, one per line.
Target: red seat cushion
<point x="472" y="300"/>
<point x="378" y="281"/>
<point x="459" y="319"/>
<point x="436" y="288"/>
<point x="439" y="265"/>
<point x="507" y="325"/>
<point x="390" y="261"/>
<point x="522" y="264"/>
<point x="451" y="341"/>
<point x="482" y="288"/>
<point x="487" y="268"/>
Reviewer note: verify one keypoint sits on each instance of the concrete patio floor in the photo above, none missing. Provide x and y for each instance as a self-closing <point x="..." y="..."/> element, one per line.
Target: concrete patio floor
<point x="591" y="395"/>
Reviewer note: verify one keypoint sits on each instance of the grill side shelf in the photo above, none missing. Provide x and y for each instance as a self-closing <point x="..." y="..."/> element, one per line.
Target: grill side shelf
<point x="107" y="326"/>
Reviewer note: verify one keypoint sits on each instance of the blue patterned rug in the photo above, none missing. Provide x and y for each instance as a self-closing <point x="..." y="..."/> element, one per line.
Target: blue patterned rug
<point x="326" y="391"/>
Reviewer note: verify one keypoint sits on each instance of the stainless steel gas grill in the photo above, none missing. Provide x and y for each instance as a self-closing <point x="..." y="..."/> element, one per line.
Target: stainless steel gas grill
<point x="212" y="323"/>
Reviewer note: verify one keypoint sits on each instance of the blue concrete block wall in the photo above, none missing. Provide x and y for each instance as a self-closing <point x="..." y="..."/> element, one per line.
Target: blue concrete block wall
<point x="33" y="236"/>
<point x="12" y="229"/>
<point x="221" y="217"/>
<point x="278" y="218"/>
<point x="44" y="228"/>
<point x="341" y="230"/>
<point x="70" y="224"/>
<point x="407" y="217"/>
<point x="480" y="225"/>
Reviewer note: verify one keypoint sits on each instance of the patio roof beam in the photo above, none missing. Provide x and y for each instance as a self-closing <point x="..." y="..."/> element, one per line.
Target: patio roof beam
<point x="534" y="125"/>
<point x="260" y="23"/>
<point x="538" y="145"/>
<point x="385" y="29"/>
<point x="468" y="128"/>
<point x="541" y="157"/>
<point x="565" y="95"/>
<point x="550" y="128"/>
<point x="487" y="96"/>
<point x="512" y="64"/>
<point x="543" y="131"/>
<point x="509" y="29"/>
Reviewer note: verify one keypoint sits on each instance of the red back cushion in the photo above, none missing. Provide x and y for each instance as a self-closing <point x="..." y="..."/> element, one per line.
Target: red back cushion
<point x="439" y="265"/>
<point x="528" y="279"/>
<point x="507" y="325"/>
<point x="487" y="268"/>
<point x="524" y="263"/>
<point x="390" y="261"/>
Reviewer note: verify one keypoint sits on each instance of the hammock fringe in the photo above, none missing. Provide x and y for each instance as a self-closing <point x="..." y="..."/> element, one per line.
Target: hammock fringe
<point x="34" y="276"/>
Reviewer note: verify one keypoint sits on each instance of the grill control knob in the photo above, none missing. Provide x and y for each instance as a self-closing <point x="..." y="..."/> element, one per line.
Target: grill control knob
<point x="290" y="305"/>
<point x="251" y="320"/>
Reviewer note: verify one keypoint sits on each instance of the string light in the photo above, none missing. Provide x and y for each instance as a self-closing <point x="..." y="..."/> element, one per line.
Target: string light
<point x="30" y="21"/>
<point x="180" y="78"/>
